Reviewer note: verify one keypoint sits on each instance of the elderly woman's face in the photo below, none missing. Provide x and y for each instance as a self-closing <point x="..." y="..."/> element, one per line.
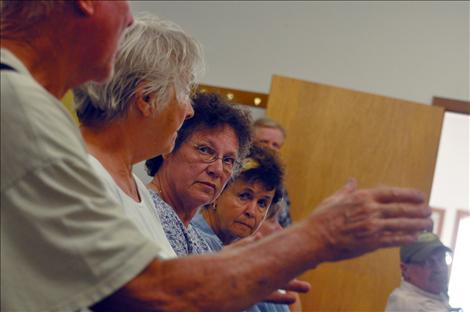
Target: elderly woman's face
<point x="242" y="207"/>
<point x="163" y="125"/>
<point x="191" y="176"/>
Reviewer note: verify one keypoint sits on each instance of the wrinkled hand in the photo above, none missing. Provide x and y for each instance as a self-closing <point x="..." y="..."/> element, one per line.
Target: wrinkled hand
<point x="352" y="222"/>
<point x="283" y="297"/>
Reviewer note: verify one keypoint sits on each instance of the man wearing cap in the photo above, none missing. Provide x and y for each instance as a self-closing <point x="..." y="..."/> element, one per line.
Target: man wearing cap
<point x="425" y="277"/>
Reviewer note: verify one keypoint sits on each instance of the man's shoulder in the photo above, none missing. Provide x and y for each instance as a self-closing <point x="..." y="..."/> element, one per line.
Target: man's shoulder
<point x="35" y="129"/>
<point x="405" y="299"/>
<point x="401" y="300"/>
<point x="26" y="100"/>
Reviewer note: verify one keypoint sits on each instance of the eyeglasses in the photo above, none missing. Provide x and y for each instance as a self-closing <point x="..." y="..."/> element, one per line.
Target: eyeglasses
<point x="209" y="155"/>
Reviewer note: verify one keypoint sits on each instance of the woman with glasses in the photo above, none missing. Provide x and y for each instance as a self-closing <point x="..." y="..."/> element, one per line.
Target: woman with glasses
<point x="247" y="204"/>
<point x="205" y="162"/>
<point x="206" y="155"/>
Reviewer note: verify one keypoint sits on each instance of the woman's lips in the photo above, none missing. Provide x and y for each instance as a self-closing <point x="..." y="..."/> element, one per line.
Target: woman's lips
<point x="211" y="185"/>
<point x="245" y="224"/>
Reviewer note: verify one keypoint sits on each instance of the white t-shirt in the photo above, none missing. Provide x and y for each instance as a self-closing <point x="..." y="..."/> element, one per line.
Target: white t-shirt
<point x="143" y="214"/>
<point x="408" y="297"/>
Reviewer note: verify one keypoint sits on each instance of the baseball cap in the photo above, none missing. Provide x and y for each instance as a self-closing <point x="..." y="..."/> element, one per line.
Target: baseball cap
<point x="420" y="250"/>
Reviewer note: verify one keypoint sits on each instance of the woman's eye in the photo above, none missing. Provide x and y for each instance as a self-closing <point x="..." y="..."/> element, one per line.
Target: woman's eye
<point x="229" y="161"/>
<point x="204" y="149"/>
<point x="263" y="203"/>
<point x="244" y="196"/>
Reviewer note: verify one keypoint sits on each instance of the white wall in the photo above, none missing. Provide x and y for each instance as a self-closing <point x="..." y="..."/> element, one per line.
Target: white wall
<point x="407" y="50"/>
<point x="451" y="186"/>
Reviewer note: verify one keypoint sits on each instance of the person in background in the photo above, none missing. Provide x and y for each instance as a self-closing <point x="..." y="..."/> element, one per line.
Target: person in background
<point x="136" y="114"/>
<point x="191" y="176"/>
<point x="248" y="199"/>
<point x="85" y="250"/>
<point x="205" y="156"/>
<point x="271" y="134"/>
<point x="243" y="205"/>
<point x="424" y="277"/>
<point x="270" y="226"/>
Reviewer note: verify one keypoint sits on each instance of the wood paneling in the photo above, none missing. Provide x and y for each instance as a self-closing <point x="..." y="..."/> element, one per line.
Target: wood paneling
<point x="334" y="133"/>
<point x="255" y="99"/>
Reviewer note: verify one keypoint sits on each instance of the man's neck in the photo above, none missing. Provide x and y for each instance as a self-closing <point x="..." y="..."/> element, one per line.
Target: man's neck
<point x="45" y="67"/>
<point x="416" y="288"/>
<point x="183" y="208"/>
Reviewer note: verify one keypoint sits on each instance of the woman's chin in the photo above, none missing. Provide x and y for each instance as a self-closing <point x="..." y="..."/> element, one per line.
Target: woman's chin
<point x="240" y="233"/>
<point x="168" y="148"/>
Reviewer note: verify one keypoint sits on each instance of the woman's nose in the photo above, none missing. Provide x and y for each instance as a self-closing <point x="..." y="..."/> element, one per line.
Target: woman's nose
<point x="251" y="209"/>
<point x="216" y="168"/>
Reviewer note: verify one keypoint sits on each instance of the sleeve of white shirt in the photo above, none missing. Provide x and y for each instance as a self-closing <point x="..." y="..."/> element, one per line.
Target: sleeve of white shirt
<point x="65" y="244"/>
<point x="73" y="246"/>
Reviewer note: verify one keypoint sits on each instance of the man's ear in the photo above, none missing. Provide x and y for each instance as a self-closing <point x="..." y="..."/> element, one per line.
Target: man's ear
<point x="87" y="7"/>
<point x="143" y="102"/>
<point x="166" y="156"/>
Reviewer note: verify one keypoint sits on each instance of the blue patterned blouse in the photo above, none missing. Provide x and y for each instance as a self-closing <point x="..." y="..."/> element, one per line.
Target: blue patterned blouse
<point x="216" y="244"/>
<point x="185" y="241"/>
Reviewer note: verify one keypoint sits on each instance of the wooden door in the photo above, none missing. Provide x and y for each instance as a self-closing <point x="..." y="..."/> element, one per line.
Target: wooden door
<point x="332" y="134"/>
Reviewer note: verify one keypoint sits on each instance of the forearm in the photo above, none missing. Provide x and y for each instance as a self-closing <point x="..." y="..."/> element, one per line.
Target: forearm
<point x="231" y="280"/>
<point x="346" y="225"/>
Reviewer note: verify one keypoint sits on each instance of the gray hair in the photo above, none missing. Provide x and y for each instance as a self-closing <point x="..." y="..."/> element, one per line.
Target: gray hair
<point x="154" y="52"/>
<point x="266" y="122"/>
<point x="19" y="16"/>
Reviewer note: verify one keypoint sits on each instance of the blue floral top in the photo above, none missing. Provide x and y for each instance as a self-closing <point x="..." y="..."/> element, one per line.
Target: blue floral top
<point x="200" y="224"/>
<point x="184" y="241"/>
<point x="216" y="244"/>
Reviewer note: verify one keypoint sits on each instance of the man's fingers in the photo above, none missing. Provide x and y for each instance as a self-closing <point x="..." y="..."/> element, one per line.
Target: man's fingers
<point x="281" y="298"/>
<point x="376" y="228"/>
<point x="406" y="225"/>
<point x="398" y="210"/>
<point x="298" y="286"/>
<point x="349" y="187"/>
<point x="397" y="240"/>
<point x="397" y="195"/>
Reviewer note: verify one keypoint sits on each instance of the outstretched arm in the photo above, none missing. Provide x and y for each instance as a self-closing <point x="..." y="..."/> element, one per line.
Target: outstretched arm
<point x="348" y="224"/>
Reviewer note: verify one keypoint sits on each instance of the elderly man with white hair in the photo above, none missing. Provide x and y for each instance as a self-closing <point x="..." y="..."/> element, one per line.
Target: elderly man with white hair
<point x="64" y="245"/>
<point x="67" y="245"/>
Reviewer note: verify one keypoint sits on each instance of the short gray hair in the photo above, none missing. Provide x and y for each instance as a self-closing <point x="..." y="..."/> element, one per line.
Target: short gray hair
<point x="19" y="16"/>
<point x="266" y="122"/>
<point x="154" y="52"/>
